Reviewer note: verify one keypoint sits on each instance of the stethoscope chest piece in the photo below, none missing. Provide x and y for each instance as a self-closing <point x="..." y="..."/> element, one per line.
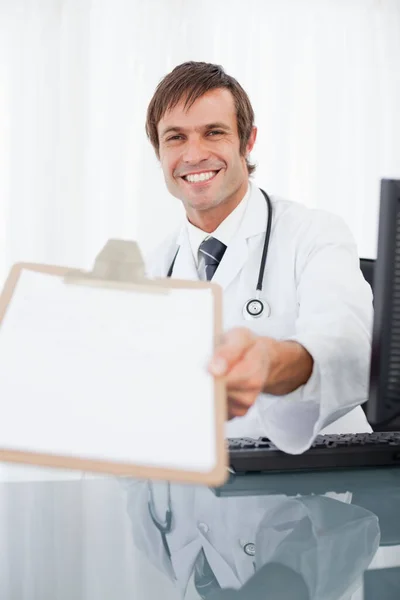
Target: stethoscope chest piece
<point x="249" y="549"/>
<point x="255" y="309"/>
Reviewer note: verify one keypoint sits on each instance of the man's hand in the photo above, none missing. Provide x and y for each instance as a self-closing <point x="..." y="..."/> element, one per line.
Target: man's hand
<point x="243" y="360"/>
<point x="252" y="364"/>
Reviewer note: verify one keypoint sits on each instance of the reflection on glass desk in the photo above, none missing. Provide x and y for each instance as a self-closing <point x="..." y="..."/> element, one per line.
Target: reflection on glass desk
<point x="333" y="535"/>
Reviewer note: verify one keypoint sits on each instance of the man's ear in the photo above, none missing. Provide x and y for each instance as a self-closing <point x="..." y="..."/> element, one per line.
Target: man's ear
<point x="252" y="141"/>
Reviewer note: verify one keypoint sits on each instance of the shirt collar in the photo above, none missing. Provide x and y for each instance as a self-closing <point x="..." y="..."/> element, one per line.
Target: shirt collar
<point x="225" y="230"/>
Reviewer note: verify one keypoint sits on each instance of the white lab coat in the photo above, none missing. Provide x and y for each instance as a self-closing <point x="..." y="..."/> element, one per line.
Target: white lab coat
<point x="317" y="295"/>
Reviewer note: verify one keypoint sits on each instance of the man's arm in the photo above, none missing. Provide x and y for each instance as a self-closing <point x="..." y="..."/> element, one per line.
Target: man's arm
<point x="253" y="364"/>
<point x="291" y="366"/>
<point x="334" y="325"/>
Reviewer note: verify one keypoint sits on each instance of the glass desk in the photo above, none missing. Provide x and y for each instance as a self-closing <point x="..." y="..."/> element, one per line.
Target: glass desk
<point x="75" y="536"/>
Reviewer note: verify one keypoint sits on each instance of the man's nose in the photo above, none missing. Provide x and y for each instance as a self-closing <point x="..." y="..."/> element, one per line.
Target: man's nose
<point x="195" y="151"/>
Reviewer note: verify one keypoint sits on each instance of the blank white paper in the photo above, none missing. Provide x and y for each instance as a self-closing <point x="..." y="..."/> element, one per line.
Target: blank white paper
<point x="107" y="374"/>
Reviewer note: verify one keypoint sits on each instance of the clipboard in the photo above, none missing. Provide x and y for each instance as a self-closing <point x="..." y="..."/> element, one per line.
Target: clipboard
<point x="119" y="266"/>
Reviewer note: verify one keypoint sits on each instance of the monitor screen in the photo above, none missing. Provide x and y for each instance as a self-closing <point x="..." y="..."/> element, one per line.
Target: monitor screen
<point x="384" y="398"/>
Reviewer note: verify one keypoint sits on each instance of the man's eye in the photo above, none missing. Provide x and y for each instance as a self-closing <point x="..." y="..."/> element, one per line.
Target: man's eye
<point x="174" y="137"/>
<point x="215" y="132"/>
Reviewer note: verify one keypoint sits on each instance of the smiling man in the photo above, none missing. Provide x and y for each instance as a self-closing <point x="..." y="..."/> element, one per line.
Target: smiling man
<point x="301" y="364"/>
<point x="201" y="160"/>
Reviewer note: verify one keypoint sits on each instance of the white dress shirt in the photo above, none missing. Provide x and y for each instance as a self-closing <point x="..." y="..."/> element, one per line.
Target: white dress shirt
<point x="224" y="233"/>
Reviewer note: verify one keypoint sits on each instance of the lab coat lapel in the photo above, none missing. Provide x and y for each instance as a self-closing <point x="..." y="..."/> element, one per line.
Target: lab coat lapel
<point x="185" y="267"/>
<point x="253" y="223"/>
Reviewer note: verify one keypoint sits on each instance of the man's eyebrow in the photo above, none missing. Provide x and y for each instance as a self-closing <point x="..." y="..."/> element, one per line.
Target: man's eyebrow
<point x="170" y="129"/>
<point x="176" y="129"/>
<point x="218" y="125"/>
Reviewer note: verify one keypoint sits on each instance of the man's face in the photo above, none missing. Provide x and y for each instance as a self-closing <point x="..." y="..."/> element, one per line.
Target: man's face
<point x="199" y="154"/>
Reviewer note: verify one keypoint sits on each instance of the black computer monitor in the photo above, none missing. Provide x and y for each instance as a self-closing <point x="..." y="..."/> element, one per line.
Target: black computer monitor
<point x="384" y="397"/>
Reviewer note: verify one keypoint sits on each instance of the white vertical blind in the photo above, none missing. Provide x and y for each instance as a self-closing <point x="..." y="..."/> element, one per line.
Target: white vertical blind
<point x="76" y="78"/>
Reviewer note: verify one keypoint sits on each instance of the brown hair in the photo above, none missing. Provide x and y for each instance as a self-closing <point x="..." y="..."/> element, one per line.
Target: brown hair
<point x="191" y="80"/>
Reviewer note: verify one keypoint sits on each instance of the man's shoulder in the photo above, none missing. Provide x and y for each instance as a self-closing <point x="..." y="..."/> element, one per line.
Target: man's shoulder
<point x="302" y="221"/>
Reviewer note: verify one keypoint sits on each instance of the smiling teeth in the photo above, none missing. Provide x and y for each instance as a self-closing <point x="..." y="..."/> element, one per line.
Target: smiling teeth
<point x="200" y="177"/>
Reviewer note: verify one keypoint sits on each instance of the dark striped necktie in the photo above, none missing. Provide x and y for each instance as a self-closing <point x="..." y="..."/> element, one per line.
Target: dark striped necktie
<point x="205" y="581"/>
<point x="212" y="250"/>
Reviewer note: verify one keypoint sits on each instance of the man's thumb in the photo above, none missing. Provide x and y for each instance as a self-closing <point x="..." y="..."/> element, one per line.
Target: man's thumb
<point x="233" y="346"/>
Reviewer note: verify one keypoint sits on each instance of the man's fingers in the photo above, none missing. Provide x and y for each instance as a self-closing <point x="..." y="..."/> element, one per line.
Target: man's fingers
<point x="249" y="373"/>
<point x="238" y="405"/>
<point x="245" y="375"/>
<point x="236" y="412"/>
<point x="234" y="345"/>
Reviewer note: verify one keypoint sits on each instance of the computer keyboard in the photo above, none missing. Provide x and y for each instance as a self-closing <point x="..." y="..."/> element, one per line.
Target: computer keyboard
<point x="333" y="451"/>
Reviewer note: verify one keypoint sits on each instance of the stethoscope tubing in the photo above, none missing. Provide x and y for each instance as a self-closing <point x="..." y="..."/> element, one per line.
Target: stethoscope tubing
<point x="264" y="252"/>
<point x="166" y="527"/>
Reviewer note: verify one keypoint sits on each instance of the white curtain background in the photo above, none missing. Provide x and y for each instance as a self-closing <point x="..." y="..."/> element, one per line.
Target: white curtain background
<point x="76" y="77"/>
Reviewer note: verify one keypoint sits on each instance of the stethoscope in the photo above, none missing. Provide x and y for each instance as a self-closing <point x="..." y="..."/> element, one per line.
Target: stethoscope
<point x="165" y="527"/>
<point x="255" y="307"/>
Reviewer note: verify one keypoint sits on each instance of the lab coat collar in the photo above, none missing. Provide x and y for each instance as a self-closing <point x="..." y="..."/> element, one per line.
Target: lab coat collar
<point x="254" y="222"/>
<point x="185" y="267"/>
<point x="255" y="218"/>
